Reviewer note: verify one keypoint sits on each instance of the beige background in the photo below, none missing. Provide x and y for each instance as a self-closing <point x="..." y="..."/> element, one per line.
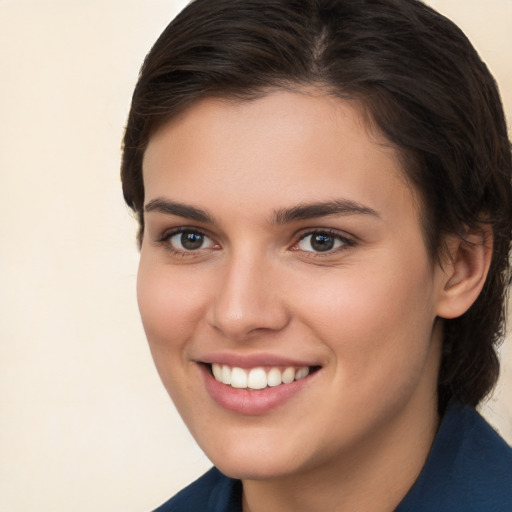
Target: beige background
<point x="84" y="422"/>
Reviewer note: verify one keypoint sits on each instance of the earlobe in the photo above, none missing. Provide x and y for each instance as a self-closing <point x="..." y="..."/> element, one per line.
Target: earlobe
<point x="464" y="271"/>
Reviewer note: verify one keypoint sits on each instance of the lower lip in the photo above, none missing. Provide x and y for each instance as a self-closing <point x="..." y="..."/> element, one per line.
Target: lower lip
<point x="251" y="402"/>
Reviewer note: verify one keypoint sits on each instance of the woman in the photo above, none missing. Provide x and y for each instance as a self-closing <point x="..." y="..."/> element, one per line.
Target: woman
<point x="324" y="196"/>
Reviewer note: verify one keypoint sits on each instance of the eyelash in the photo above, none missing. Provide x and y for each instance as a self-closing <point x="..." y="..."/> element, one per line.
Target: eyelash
<point x="168" y="235"/>
<point x="345" y="242"/>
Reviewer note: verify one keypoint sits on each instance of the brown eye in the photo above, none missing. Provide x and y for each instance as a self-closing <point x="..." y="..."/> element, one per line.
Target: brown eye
<point x="190" y="241"/>
<point x="321" y="242"/>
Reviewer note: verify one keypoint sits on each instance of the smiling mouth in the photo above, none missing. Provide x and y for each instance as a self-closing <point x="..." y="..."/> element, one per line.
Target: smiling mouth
<point x="259" y="377"/>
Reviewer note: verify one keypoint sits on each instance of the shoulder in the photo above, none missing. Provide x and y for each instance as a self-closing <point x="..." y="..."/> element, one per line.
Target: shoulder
<point x="469" y="468"/>
<point x="212" y="492"/>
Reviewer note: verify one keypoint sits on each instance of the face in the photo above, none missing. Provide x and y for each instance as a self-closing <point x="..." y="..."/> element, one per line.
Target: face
<point x="283" y="253"/>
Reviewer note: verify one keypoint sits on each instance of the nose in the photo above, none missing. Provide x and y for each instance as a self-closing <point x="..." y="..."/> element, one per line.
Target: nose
<point x="249" y="299"/>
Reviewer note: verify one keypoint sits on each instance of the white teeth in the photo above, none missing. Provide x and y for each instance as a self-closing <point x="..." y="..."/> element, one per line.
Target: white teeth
<point x="256" y="378"/>
<point x="217" y="371"/>
<point x="274" y="377"/>
<point x="301" y="373"/>
<point x="238" y="378"/>
<point x="288" y="375"/>
<point x="226" y="375"/>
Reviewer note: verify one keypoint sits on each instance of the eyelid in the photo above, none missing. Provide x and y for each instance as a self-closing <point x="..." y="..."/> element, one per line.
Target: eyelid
<point x="167" y="235"/>
<point x="347" y="241"/>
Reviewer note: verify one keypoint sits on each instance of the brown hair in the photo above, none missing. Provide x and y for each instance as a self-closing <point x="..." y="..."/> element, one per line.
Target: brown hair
<point x="423" y="85"/>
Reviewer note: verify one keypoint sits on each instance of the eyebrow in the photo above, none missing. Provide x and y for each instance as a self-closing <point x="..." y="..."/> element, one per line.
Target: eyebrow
<point x="307" y="211"/>
<point x="179" y="209"/>
<point x="339" y="207"/>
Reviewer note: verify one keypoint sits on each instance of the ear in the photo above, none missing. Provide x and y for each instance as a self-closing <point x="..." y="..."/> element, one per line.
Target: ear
<point x="464" y="270"/>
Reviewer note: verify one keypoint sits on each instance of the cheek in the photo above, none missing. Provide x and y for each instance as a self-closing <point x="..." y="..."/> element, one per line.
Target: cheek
<point x="169" y="304"/>
<point x="171" y="308"/>
<point x="375" y="323"/>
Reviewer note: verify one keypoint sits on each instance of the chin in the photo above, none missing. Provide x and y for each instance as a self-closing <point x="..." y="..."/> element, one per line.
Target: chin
<point x="254" y="460"/>
<point x="249" y="470"/>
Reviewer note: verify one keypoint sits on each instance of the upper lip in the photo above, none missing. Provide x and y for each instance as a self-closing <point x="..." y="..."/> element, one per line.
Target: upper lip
<point x="254" y="360"/>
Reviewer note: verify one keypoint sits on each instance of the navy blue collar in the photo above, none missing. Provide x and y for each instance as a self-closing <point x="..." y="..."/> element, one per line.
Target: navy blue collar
<point x="469" y="468"/>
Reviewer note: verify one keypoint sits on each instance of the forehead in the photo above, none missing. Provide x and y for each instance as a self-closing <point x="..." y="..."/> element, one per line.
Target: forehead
<point x="284" y="147"/>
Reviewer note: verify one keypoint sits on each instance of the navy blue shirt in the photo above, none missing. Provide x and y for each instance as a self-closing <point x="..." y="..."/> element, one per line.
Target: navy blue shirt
<point x="469" y="469"/>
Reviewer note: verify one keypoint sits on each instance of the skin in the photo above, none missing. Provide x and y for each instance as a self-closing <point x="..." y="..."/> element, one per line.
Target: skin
<point x="357" y="434"/>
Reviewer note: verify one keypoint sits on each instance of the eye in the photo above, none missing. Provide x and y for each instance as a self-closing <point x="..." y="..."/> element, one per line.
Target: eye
<point x="321" y="242"/>
<point x="189" y="240"/>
